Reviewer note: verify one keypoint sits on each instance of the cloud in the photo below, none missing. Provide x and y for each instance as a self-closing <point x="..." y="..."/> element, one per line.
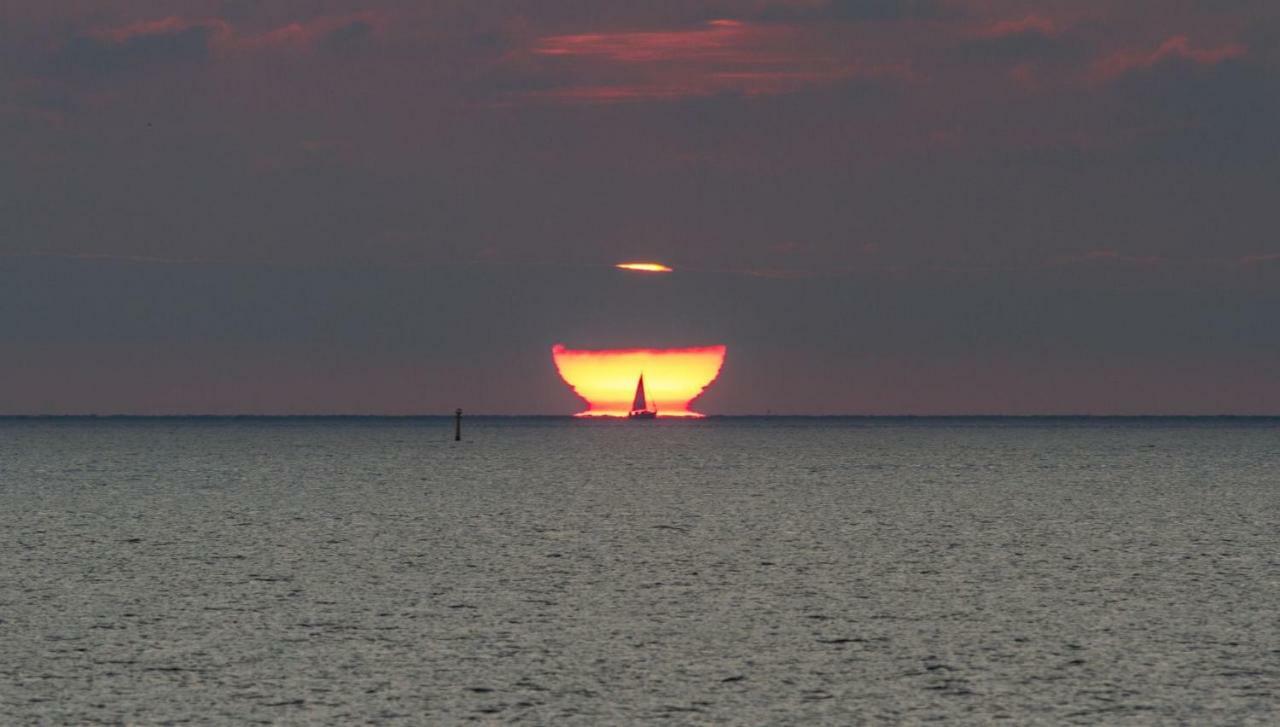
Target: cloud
<point x="1205" y="106"/>
<point x="1032" y="38"/>
<point x="854" y="10"/>
<point x="178" y="41"/>
<point x="154" y="43"/>
<point x="720" y="57"/>
<point x="337" y="34"/>
<point x="1176" y="50"/>
<point x="719" y="40"/>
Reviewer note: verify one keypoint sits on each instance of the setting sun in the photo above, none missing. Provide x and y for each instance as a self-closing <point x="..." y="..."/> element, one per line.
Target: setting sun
<point x="673" y="377"/>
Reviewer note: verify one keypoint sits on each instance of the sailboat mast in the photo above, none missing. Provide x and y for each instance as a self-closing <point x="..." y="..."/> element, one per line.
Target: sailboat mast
<point x="639" y="403"/>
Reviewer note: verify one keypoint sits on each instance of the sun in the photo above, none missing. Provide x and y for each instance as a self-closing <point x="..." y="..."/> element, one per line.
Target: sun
<point x="606" y="379"/>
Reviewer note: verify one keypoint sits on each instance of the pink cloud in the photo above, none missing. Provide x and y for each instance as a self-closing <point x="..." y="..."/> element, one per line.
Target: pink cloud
<point x="722" y="40"/>
<point x="723" y="56"/>
<point x="1174" y="49"/>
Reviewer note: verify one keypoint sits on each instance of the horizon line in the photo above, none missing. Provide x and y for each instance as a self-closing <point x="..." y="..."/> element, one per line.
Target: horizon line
<point x="451" y="415"/>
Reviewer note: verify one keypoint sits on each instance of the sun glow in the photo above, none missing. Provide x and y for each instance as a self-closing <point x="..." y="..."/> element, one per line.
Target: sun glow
<point x="644" y="267"/>
<point x="673" y="377"/>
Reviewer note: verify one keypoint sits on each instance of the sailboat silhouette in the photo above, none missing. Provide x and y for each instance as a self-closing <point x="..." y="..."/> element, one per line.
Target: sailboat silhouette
<point x="639" y="406"/>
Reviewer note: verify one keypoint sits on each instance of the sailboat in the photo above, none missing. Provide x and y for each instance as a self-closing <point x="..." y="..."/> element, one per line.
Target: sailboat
<point x="639" y="406"/>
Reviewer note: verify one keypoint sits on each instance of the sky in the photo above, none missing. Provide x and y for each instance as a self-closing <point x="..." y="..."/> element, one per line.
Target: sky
<point x="878" y="206"/>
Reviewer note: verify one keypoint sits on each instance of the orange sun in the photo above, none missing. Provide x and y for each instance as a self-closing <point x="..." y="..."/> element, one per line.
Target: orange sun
<point x="673" y="377"/>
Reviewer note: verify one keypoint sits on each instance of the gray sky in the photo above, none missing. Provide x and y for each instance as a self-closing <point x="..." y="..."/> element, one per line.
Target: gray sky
<point x="879" y="206"/>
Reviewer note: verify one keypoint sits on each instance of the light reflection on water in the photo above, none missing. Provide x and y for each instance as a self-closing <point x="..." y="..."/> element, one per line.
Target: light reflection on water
<point x="556" y="570"/>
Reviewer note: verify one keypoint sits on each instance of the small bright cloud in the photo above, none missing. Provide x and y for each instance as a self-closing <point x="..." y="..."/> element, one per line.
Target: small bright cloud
<point x="644" y="267"/>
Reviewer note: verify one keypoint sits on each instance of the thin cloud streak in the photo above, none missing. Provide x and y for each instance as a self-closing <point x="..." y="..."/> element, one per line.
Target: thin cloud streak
<point x="725" y="41"/>
<point x="724" y="56"/>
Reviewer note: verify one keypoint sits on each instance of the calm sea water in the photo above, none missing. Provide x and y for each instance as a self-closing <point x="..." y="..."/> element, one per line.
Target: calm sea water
<point x="771" y="571"/>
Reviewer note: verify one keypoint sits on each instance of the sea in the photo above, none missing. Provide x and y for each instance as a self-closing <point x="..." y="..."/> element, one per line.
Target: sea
<point x="753" y="571"/>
